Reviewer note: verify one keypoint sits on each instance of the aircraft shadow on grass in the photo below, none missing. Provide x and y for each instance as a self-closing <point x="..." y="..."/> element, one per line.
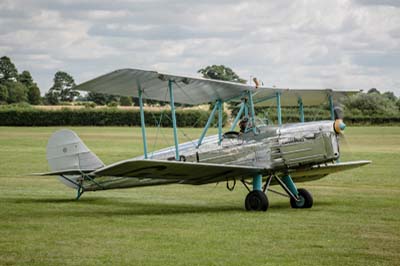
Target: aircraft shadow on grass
<point x="96" y="207"/>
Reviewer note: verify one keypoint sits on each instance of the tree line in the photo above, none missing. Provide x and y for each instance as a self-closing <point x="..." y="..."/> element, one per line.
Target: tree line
<point x="18" y="87"/>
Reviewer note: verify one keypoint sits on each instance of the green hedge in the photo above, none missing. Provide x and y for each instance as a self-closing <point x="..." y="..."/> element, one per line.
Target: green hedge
<point x="100" y="117"/>
<point x="18" y="116"/>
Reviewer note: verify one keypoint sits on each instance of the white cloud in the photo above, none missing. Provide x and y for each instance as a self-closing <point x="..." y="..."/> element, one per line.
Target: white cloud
<point x="310" y="43"/>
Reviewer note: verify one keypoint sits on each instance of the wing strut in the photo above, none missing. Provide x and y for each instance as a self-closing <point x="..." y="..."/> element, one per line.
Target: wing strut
<point x="239" y="114"/>
<point x="253" y="115"/>
<point x="142" y="122"/>
<point x="172" y="104"/>
<point x="220" y="104"/>
<point x="301" y="109"/>
<point x="278" y="107"/>
<point x="331" y="107"/>
<point x="207" y="126"/>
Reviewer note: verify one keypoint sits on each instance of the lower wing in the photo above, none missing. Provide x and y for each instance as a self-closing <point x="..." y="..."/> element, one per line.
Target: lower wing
<point x="131" y="173"/>
<point x="182" y="172"/>
<point x="319" y="171"/>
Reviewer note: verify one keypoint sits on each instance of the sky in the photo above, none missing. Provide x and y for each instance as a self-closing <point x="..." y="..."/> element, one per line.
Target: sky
<point x="341" y="44"/>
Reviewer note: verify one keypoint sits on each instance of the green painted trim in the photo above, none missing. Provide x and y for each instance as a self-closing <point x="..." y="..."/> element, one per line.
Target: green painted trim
<point x="239" y="114"/>
<point x="246" y="110"/>
<point x="301" y="109"/>
<point x="253" y="120"/>
<point x="257" y="182"/>
<point x="332" y="108"/>
<point x="172" y="104"/>
<point x="209" y="121"/>
<point x="278" y="108"/>
<point x="219" y="103"/>
<point x="142" y="123"/>
<point x="290" y="184"/>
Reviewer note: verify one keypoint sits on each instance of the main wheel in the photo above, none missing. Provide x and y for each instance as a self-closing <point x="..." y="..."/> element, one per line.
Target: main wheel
<point x="256" y="201"/>
<point x="306" y="200"/>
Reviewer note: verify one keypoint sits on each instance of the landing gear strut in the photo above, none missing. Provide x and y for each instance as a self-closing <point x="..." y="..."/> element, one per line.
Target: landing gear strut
<point x="256" y="200"/>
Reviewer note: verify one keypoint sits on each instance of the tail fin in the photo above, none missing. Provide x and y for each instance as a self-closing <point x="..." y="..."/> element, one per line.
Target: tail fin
<point x="66" y="151"/>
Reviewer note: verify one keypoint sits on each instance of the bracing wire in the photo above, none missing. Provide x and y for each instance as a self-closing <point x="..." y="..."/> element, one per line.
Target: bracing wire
<point x="158" y="123"/>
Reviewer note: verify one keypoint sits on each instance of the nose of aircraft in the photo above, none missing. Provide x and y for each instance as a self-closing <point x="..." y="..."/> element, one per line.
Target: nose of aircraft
<point x="342" y="126"/>
<point x="339" y="126"/>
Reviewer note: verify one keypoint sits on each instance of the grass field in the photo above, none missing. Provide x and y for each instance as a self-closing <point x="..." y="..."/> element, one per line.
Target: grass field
<point x="355" y="219"/>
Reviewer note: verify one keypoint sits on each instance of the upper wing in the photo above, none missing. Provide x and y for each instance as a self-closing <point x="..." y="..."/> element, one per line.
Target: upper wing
<point x="195" y="90"/>
<point x="290" y="97"/>
<point x="185" y="172"/>
<point x="187" y="90"/>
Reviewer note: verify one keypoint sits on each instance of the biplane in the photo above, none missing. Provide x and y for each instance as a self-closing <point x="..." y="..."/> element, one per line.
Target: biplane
<point x="257" y="155"/>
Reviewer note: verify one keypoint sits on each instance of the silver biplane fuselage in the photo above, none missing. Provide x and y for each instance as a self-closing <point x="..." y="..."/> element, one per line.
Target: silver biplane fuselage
<point x="282" y="148"/>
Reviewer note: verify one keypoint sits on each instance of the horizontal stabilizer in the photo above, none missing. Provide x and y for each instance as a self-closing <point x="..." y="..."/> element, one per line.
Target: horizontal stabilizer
<point x="185" y="172"/>
<point x="65" y="172"/>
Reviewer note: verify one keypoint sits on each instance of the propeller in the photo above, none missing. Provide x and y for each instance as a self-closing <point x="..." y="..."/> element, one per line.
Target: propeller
<point x="339" y="126"/>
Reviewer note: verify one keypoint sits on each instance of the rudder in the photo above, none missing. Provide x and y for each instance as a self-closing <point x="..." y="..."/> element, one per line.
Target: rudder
<point x="66" y="151"/>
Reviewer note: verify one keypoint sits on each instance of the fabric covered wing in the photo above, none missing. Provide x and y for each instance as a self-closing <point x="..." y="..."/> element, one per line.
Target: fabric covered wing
<point x="195" y="90"/>
<point x="184" y="172"/>
<point x="187" y="90"/>
<point x="323" y="170"/>
<point x="65" y="172"/>
<point x="290" y="97"/>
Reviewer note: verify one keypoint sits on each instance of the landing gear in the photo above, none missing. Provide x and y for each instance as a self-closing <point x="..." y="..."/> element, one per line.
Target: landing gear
<point x="256" y="200"/>
<point x="305" y="200"/>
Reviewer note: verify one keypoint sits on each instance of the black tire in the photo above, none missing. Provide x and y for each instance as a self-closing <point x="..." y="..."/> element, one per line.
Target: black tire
<point x="306" y="200"/>
<point x="256" y="201"/>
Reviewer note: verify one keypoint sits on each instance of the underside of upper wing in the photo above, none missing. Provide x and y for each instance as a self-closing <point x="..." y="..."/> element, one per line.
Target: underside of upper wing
<point x="188" y="90"/>
<point x="291" y="97"/>
<point x="182" y="172"/>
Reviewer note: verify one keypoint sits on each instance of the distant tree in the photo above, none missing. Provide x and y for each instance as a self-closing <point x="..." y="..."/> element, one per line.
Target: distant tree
<point x="101" y="98"/>
<point x="373" y="90"/>
<point x="370" y="104"/>
<point x="3" y="94"/>
<point x="390" y="95"/>
<point x="32" y="89"/>
<point x="8" y="71"/>
<point x="16" y="92"/>
<point x="125" y="101"/>
<point x="51" y="98"/>
<point x="34" y="95"/>
<point x="26" y="78"/>
<point x="62" y="89"/>
<point x="220" y="72"/>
